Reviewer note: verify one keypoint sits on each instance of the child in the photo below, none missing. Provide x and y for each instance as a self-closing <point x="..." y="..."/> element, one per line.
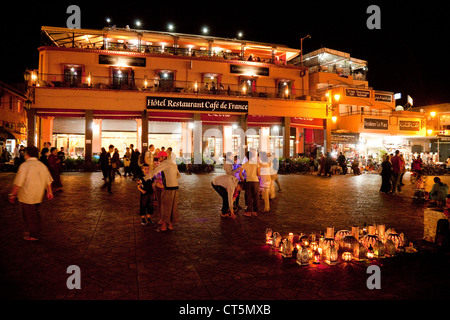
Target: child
<point x="146" y="202"/>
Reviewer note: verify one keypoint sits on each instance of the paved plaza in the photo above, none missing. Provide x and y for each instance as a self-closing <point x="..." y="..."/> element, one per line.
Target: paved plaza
<point x="207" y="257"/>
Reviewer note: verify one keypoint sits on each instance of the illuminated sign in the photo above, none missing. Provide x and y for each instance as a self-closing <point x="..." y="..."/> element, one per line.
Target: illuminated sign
<point x="377" y="124"/>
<point x="122" y="61"/>
<point x="249" y="70"/>
<point x="409" y="125"/>
<point x="208" y="105"/>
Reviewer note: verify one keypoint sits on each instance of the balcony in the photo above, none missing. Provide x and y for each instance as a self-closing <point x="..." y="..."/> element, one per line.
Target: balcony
<point x="125" y="82"/>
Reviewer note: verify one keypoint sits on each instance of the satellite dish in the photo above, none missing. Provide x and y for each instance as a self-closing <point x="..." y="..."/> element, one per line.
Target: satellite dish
<point x="399" y="108"/>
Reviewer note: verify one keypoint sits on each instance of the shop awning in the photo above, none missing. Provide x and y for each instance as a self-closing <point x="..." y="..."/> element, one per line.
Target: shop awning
<point x="264" y="121"/>
<point x="309" y="123"/>
<point x="170" y="116"/>
<point x="118" y="115"/>
<point x="70" y="113"/>
<point x="220" y="119"/>
<point x="8" y="135"/>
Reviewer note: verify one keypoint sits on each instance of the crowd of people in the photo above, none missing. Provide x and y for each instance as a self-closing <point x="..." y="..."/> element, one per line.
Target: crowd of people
<point x="256" y="175"/>
<point x="156" y="174"/>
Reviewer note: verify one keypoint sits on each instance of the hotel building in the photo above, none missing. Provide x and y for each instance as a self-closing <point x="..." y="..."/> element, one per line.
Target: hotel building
<point x="200" y="95"/>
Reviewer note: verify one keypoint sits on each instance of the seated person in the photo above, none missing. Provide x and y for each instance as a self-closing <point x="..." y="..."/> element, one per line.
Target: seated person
<point x="438" y="193"/>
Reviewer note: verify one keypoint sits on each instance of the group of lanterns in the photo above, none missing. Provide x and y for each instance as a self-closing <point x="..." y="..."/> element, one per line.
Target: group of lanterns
<point x="359" y="244"/>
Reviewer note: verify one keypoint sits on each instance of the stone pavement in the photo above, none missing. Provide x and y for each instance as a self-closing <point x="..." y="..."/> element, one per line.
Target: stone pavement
<point x="206" y="257"/>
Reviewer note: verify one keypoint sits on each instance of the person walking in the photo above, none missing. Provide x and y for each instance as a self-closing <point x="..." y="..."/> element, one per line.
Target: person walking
<point x="55" y="165"/>
<point x="104" y="163"/>
<point x="342" y="163"/>
<point x="126" y="163"/>
<point x="227" y="186"/>
<point x="252" y="172"/>
<point x="30" y="184"/>
<point x="169" y="195"/>
<point x="275" y="165"/>
<point x="115" y="164"/>
<point x="109" y="169"/>
<point x="386" y="173"/>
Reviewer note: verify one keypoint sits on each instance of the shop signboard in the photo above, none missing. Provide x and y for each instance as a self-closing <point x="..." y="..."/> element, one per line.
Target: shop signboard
<point x="206" y="105"/>
<point x="409" y="125"/>
<point x="383" y="97"/>
<point x="249" y="70"/>
<point x="357" y="93"/>
<point x="122" y="61"/>
<point x="377" y="124"/>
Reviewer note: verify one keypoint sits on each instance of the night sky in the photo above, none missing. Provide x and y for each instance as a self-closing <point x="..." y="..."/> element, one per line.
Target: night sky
<point x="408" y="55"/>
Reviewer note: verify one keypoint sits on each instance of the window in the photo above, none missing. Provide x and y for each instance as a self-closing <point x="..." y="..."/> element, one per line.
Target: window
<point x="247" y="85"/>
<point x="166" y="81"/>
<point x="73" y="75"/>
<point x="284" y="88"/>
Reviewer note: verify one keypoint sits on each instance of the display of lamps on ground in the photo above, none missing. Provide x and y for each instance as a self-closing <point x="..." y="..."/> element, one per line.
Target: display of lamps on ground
<point x="360" y="245"/>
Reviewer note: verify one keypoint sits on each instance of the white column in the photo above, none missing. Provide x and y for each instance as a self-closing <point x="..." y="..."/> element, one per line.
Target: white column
<point x="264" y="137"/>
<point x="139" y="134"/>
<point x="97" y="136"/>
<point x="227" y="139"/>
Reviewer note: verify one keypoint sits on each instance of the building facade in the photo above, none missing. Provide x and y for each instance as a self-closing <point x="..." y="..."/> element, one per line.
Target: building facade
<point x="13" y="120"/>
<point x="200" y="95"/>
<point x="365" y="122"/>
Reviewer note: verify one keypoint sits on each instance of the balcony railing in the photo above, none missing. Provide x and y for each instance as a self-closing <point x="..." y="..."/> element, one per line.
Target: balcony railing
<point x="171" y="86"/>
<point x="373" y="112"/>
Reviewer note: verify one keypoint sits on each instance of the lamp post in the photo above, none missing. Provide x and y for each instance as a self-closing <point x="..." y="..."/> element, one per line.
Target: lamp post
<point x="301" y="48"/>
<point x="301" y="58"/>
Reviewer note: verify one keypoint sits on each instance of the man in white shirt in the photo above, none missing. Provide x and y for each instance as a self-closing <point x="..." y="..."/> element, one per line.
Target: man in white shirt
<point x="30" y="184"/>
<point x="228" y="187"/>
<point x="169" y="195"/>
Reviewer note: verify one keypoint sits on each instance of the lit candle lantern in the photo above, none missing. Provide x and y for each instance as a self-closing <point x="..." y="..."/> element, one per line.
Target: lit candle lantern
<point x="370" y="252"/>
<point x="317" y="257"/>
<point x="347" y="256"/>
<point x="269" y="234"/>
<point x="291" y="237"/>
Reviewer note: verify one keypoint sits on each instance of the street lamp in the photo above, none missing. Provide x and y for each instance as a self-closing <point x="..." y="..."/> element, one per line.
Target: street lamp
<point x="27" y="104"/>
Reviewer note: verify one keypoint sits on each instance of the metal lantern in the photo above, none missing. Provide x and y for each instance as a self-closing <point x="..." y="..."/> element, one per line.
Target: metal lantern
<point x="291" y="237"/>
<point x="370" y="238"/>
<point x="381" y="232"/>
<point x="390" y="249"/>
<point x="276" y="241"/>
<point x="303" y="256"/>
<point x="395" y="238"/>
<point x="329" y="240"/>
<point x="286" y="248"/>
<point x="379" y="250"/>
<point x="331" y="255"/>
<point x="339" y="237"/>
<point x="349" y="242"/>
<point x="269" y="234"/>
<point x="347" y="256"/>
<point x="303" y="239"/>
<point x="317" y="257"/>
<point x="359" y="252"/>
